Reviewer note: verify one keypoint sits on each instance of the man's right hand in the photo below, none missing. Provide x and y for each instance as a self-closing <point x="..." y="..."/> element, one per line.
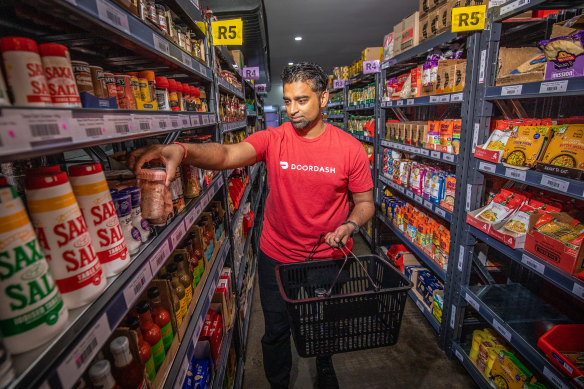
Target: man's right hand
<point x="171" y="156"/>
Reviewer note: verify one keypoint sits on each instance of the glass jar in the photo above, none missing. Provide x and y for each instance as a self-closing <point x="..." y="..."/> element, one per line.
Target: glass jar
<point x="161" y="22"/>
<point x="154" y="192"/>
<point x="151" y="13"/>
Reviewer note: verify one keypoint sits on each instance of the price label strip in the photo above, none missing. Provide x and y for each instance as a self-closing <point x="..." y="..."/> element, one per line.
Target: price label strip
<point x="456" y="97"/>
<point x="159" y="257"/>
<point x="578" y="290"/>
<point x="553" y="87"/>
<point x="161" y="44"/>
<point x="472" y="302"/>
<point x="137" y="285"/>
<point x="444" y="98"/>
<point x="435" y="154"/>
<point x="515" y="174"/>
<point x="513" y="6"/>
<point x="554" y="378"/>
<point x="410" y="102"/>
<point x="448" y="157"/>
<point x="177" y="235"/>
<point x="43" y="128"/>
<point x="532" y="264"/>
<point x="121" y="124"/>
<point x="511" y="90"/>
<point x="488" y="167"/>
<point x="425" y="152"/>
<point x="554" y="183"/>
<point x="434" y="99"/>
<point x="195" y="120"/>
<point x="458" y="355"/>
<point x="90" y="127"/>
<point x="113" y="16"/>
<point x="440" y="212"/>
<point x="502" y="330"/>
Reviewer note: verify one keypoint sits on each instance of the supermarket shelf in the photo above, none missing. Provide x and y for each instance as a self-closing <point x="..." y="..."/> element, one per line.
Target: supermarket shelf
<point x="436" y="209"/>
<point x="252" y="177"/>
<point x="422" y="307"/>
<point x="556" y="88"/>
<point x="366" y="236"/>
<point x="243" y="260"/>
<point x="363" y="138"/>
<point x="515" y="7"/>
<point x="521" y="327"/>
<point x="227" y="57"/>
<point x="227" y="87"/>
<point x="129" y="31"/>
<point x="222" y="361"/>
<point x="65" y="358"/>
<point x="30" y="132"/>
<point x="335" y="104"/>
<point x="562" y="185"/>
<point x="447" y="98"/>
<point x="180" y="365"/>
<point x="421" y="49"/>
<point x="248" y="307"/>
<point x="360" y="77"/>
<point x="415" y="249"/>
<point x="335" y="116"/>
<point x="470" y="367"/>
<point x="251" y="113"/>
<point x="232" y="126"/>
<point x="361" y="107"/>
<point x="436" y="155"/>
<point x="568" y="283"/>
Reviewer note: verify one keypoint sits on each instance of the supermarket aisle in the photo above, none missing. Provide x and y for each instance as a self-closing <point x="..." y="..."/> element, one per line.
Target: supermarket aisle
<point x="414" y="362"/>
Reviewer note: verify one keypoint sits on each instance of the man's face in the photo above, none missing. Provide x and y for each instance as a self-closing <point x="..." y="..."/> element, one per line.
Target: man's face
<point x="303" y="105"/>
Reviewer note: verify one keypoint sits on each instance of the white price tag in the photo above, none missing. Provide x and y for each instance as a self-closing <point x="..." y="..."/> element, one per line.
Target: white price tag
<point x="554" y="183"/>
<point x="157" y="259"/>
<point x="187" y="59"/>
<point x="578" y="290"/>
<point x="76" y="363"/>
<point x="502" y="330"/>
<point x="184" y="121"/>
<point x="177" y="235"/>
<point x="515" y="174"/>
<point x="161" y="44"/>
<point x="448" y="157"/>
<point x="410" y="102"/>
<point x="554" y="378"/>
<point x="27" y="129"/>
<point x="90" y="127"/>
<point x="434" y="99"/>
<point x="428" y="204"/>
<point x="468" y="195"/>
<point x="458" y="355"/>
<point x="456" y="97"/>
<point x="444" y="98"/>
<point x="195" y="120"/>
<point x="488" y="167"/>
<point x="475" y="136"/>
<point x="203" y="69"/>
<point x="420" y="306"/>
<point x="472" y="302"/>
<point x="554" y="87"/>
<point x="482" y="68"/>
<point x="419" y="199"/>
<point x="532" y="264"/>
<point x="425" y="152"/>
<point x="440" y="212"/>
<point x="137" y="285"/>
<point x="410" y="193"/>
<point x="435" y="154"/>
<point x="212" y="119"/>
<point x="205" y="119"/>
<point x="401" y="189"/>
<point x="400" y="102"/>
<point x="143" y="123"/>
<point x="113" y="16"/>
<point x="511" y="90"/>
<point x="461" y="258"/>
<point x="513" y="6"/>
<point x="452" y="316"/>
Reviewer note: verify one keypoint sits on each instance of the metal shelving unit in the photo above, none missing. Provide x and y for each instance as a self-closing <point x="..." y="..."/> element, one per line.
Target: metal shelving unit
<point x="425" y="310"/>
<point x="222" y="361"/>
<point x="447" y="98"/>
<point x="431" y="154"/>
<point x="232" y="126"/>
<point x="470" y="367"/>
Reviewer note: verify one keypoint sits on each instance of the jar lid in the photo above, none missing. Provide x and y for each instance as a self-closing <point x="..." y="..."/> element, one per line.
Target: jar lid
<point x="122" y="203"/>
<point x="197" y="92"/>
<point x="179" y="87"/>
<point x="99" y="370"/>
<point x="53" y="50"/>
<point x="142" y="80"/>
<point x="119" y="345"/>
<point x="161" y="82"/>
<point x="46" y="180"/>
<point x="152" y="175"/>
<point x="133" y="322"/>
<point x="143" y="307"/>
<point x="153" y="292"/>
<point x="85" y="169"/>
<point x="132" y="74"/>
<point x="147" y="74"/>
<point x="14" y="43"/>
<point x="172" y="85"/>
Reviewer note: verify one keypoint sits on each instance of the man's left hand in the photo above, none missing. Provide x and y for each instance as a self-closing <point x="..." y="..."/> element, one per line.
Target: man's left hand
<point x="341" y="234"/>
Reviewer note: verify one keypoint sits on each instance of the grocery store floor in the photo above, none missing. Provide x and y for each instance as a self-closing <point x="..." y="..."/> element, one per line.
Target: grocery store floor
<point x="414" y="362"/>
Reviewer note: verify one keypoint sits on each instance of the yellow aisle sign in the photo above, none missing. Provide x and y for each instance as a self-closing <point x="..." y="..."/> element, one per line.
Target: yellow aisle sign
<point x="468" y="18"/>
<point x="228" y="32"/>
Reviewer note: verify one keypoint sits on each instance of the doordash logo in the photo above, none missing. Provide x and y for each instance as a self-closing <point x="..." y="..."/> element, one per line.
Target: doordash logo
<point x="307" y="168"/>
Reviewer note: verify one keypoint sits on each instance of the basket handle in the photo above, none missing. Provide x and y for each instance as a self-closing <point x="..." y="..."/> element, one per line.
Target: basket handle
<point x="314" y="247"/>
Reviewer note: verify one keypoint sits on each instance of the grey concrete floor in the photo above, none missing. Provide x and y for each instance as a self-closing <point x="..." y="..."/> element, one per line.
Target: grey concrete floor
<point x="414" y="362"/>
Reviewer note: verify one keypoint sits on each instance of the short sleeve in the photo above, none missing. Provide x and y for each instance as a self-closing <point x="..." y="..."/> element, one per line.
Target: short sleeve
<point x="360" y="179"/>
<point x="259" y="140"/>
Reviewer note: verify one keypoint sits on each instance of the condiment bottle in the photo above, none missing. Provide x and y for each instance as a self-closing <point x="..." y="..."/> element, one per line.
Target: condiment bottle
<point x="162" y="99"/>
<point x="123" y="205"/>
<point x="145" y="94"/>
<point x="82" y="76"/>
<point x="173" y="95"/>
<point x="125" y="93"/>
<point x="25" y="269"/>
<point x="144" y="348"/>
<point x="198" y="255"/>
<point x="161" y="317"/>
<point x="64" y="238"/>
<point x="94" y="198"/>
<point x="59" y="75"/>
<point x="137" y="220"/>
<point x="185" y="277"/>
<point x="151" y="333"/>
<point x="178" y="287"/>
<point x="186" y="97"/>
<point x="101" y="376"/>
<point x="175" y="299"/>
<point x="180" y="95"/>
<point x="151" y="103"/>
<point x="151" y="11"/>
<point x="129" y="373"/>
<point x="24" y="72"/>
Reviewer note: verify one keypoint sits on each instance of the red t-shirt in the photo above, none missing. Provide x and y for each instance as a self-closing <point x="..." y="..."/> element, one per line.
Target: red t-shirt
<point x="309" y="180"/>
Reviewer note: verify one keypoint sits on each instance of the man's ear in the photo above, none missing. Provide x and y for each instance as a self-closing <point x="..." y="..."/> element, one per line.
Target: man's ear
<point x="324" y="97"/>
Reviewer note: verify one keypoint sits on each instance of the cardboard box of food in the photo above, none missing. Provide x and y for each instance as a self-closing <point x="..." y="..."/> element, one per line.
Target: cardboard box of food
<point x="372" y="54"/>
<point x="510" y="59"/>
<point x="488" y="155"/>
<point x="566" y="256"/>
<point x="459" y="80"/>
<point x="238" y="57"/>
<point x="388" y="46"/>
<point x="444" y="16"/>
<point x="480" y="224"/>
<point x="568" y="27"/>
<point x="424" y="28"/>
<point x="397" y="32"/>
<point x="410" y="34"/>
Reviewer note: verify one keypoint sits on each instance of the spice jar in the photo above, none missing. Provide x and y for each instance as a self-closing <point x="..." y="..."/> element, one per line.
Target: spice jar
<point x="162" y="98"/>
<point x="137" y="220"/>
<point x="188" y="44"/>
<point x="150" y="98"/>
<point x="24" y="72"/>
<point x="125" y="93"/>
<point x="161" y="12"/>
<point x="98" y="81"/>
<point x="110" y="85"/>
<point x="154" y="193"/>
<point x="59" y="75"/>
<point x="151" y="13"/>
<point x="173" y="95"/>
<point x="82" y="76"/>
<point x="181" y="30"/>
<point x="123" y="205"/>
<point x="191" y="180"/>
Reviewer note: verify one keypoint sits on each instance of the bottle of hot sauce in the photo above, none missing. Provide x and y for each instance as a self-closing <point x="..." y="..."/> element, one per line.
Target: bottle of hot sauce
<point x="178" y="288"/>
<point x="144" y="348"/>
<point x="161" y="317"/>
<point x="151" y="333"/>
<point x="129" y="373"/>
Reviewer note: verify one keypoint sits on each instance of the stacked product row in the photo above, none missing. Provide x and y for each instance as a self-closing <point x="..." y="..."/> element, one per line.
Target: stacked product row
<point x="438" y="135"/>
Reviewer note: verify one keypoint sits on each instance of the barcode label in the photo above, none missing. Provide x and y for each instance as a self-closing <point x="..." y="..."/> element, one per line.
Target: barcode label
<point x="159" y="258"/>
<point x="452" y="316"/>
<point x="439" y="212"/>
<point x="554" y="183"/>
<point x="401" y="189"/>
<point x="175" y="124"/>
<point x="444" y="98"/>
<point x="578" y="290"/>
<point x="425" y="152"/>
<point x="434" y="99"/>
<point x="420" y="306"/>
<point x="472" y="302"/>
<point x="137" y="285"/>
<point x="513" y="6"/>
<point x="144" y="126"/>
<point x="435" y="154"/>
<point x="554" y="378"/>
<point x="532" y="264"/>
<point x="475" y="136"/>
<point x="427" y="204"/>
<point x="419" y="199"/>
<point x="458" y="355"/>
<point x="205" y="119"/>
<point x="554" y="87"/>
<point x="93" y="131"/>
<point x="400" y="102"/>
<point x="195" y="120"/>
<point x="511" y="90"/>
<point x="162" y="124"/>
<point x="111" y="15"/>
<point x="192" y="216"/>
<point x="515" y="174"/>
<point x="77" y="361"/>
<point x="468" y="196"/>
<point x="187" y="60"/>
<point x="410" y="102"/>
<point x="456" y="97"/>
<point x="161" y="44"/>
<point x="488" y="167"/>
<point x="183" y="120"/>
<point x="461" y="258"/>
<point x="42" y="130"/>
<point x="448" y="157"/>
<point x="502" y="330"/>
<point x="122" y="128"/>
<point x="482" y="68"/>
<point x="177" y="235"/>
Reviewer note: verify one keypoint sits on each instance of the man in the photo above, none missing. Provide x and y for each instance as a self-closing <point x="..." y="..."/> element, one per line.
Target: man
<point x="311" y="168"/>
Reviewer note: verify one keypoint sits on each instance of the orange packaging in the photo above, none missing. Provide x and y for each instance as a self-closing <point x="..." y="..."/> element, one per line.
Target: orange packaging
<point x="416" y="79"/>
<point x="446" y="131"/>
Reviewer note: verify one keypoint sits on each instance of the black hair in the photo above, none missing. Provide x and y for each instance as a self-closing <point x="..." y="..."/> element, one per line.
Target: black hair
<point x="306" y="71"/>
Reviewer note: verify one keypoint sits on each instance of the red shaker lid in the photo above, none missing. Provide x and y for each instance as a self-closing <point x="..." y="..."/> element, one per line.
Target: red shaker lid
<point x="172" y="85"/>
<point x="53" y="50"/>
<point x="47" y="180"/>
<point x="161" y="82"/>
<point x="14" y="43"/>
<point x="85" y="169"/>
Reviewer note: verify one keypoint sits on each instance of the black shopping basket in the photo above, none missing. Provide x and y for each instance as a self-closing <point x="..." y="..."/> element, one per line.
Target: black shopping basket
<point x="343" y="305"/>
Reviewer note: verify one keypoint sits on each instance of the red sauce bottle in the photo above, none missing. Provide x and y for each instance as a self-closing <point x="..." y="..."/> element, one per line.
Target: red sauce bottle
<point x="151" y="333"/>
<point x="144" y="348"/>
<point x="161" y="317"/>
